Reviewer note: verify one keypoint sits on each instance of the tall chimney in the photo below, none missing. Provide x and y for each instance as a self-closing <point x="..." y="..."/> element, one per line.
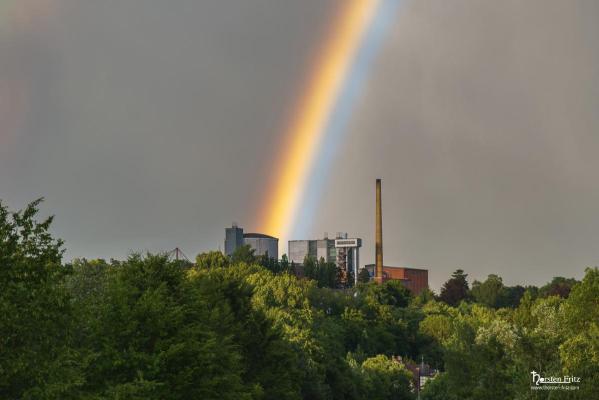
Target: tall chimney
<point x="378" y="275"/>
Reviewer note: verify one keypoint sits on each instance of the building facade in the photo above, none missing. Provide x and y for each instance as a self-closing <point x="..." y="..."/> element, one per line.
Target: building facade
<point x="341" y="251"/>
<point x="263" y="245"/>
<point x="325" y="248"/>
<point x="233" y="239"/>
<point x="348" y="256"/>
<point x="260" y="243"/>
<point x="415" y="279"/>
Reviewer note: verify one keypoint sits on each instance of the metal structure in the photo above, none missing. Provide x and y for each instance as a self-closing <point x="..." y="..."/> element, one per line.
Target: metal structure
<point x="348" y="256"/>
<point x="177" y="254"/>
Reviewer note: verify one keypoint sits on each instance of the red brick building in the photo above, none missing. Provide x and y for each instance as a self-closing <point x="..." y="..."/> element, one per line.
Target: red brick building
<point x="413" y="278"/>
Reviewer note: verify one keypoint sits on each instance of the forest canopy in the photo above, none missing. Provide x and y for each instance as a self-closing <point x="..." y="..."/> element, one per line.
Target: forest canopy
<point x="150" y="327"/>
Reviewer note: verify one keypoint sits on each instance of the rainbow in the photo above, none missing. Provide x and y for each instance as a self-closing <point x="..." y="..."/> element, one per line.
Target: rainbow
<point x="322" y="116"/>
<point x="18" y="18"/>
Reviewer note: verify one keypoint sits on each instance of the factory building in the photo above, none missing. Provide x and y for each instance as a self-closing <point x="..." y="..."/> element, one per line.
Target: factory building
<point x="298" y="250"/>
<point x="414" y="279"/>
<point x="233" y="239"/>
<point x="261" y="243"/>
<point x="342" y="251"/>
<point x="348" y="256"/>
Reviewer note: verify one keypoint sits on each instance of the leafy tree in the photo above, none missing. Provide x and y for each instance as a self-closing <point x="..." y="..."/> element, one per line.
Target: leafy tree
<point x="270" y="364"/>
<point x="393" y="292"/>
<point x="491" y="292"/>
<point x="35" y="311"/>
<point x="512" y="296"/>
<point x="212" y="259"/>
<point x="153" y="337"/>
<point x="579" y="353"/>
<point x="559" y="286"/>
<point x="363" y="276"/>
<point x="271" y="264"/>
<point x="438" y="389"/>
<point x="243" y="254"/>
<point x="455" y="289"/>
<point x="423" y="297"/>
<point x="385" y="378"/>
<point x="325" y="274"/>
<point x="285" y="266"/>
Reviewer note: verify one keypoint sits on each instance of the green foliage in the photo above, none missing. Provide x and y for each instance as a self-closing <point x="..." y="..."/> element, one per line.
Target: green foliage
<point x="326" y="274"/>
<point x="244" y="254"/>
<point x="579" y="352"/>
<point x="489" y="354"/>
<point x="152" y="336"/>
<point x="455" y="289"/>
<point x="247" y="328"/>
<point x="559" y="286"/>
<point x="212" y="259"/>
<point x="363" y="276"/>
<point x="35" y="311"/>
<point x="385" y="378"/>
<point x="491" y="292"/>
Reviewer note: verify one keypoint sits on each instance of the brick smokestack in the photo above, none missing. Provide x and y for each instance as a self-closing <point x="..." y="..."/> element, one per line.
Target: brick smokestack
<point x="378" y="274"/>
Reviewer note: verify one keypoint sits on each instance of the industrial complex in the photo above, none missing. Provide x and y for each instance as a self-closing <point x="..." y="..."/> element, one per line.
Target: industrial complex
<point x="263" y="245"/>
<point x="414" y="279"/>
<point x="342" y="251"/>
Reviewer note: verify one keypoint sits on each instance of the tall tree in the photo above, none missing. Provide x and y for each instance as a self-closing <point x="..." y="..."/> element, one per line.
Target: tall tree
<point x="244" y="254"/>
<point x="212" y="259"/>
<point x="363" y="276"/>
<point x="35" y="311"/>
<point x="455" y="289"/>
<point x="559" y="286"/>
<point x="491" y="292"/>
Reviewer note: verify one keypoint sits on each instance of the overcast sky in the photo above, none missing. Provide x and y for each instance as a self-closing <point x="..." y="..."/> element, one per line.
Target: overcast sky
<point x="151" y="124"/>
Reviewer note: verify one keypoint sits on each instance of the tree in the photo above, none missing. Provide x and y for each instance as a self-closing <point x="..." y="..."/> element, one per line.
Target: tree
<point x="513" y="295"/>
<point x="243" y="254"/>
<point x="455" y="289"/>
<point x="35" y="311"/>
<point x="423" y="297"/>
<point x="559" y="286"/>
<point x="285" y="266"/>
<point x="212" y="259"/>
<point x="393" y="292"/>
<point x="579" y="353"/>
<point x="386" y="378"/>
<point x="325" y="273"/>
<point x="363" y="276"/>
<point x="152" y="336"/>
<point x="491" y="292"/>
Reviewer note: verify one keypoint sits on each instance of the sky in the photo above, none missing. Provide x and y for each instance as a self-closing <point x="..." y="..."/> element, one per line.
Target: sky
<point x="149" y="125"/>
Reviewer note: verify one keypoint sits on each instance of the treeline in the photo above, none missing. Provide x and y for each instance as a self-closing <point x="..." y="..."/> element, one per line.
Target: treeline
<point x="151" y="328"/>
<point x="246" y="328"/>
<point x="489" y="351"/>
<point x="493" y="293"/>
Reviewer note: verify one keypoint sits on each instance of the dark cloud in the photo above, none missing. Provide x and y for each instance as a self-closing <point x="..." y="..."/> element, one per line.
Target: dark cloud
<point x="481" y="119"/>
<point x="153" y="124"/>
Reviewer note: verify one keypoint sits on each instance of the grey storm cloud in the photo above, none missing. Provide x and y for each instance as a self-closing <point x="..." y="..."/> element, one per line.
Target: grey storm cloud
<point x="154" y="124"/>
